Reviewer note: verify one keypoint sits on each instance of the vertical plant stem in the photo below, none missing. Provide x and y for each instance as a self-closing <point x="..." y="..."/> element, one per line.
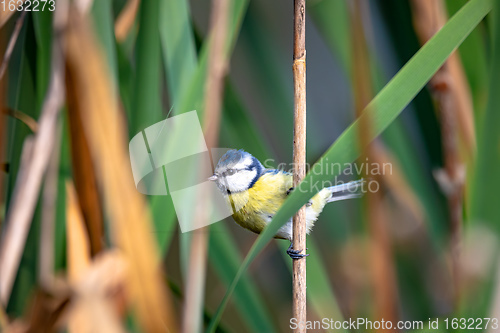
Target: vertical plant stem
<point x="299" y="157"/>
<point x="49" y="196"/>
<point x="78" y="248"/>
<point x="453" y="178"/>
<point x="428" y="17"/>
<point x="382" y="266"/>
<point x="130" y="221"/>
<point x="84" y="175"/>
<point x="452" y="96"/>
<point x="34" y="162"/>
<point x="217" y="68"/>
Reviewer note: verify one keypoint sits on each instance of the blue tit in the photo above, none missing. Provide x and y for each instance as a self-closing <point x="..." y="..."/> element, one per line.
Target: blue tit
<point x="256" y="193"/>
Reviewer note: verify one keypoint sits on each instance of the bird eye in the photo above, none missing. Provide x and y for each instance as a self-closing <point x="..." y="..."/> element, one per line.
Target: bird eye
<point x="230" y="172"/>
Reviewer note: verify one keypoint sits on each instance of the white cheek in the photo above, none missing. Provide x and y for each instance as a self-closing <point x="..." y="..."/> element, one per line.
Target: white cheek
<point x="240" y="181"/>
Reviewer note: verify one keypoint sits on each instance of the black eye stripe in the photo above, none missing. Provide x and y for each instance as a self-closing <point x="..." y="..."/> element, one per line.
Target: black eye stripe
<point x="254" y="166"/>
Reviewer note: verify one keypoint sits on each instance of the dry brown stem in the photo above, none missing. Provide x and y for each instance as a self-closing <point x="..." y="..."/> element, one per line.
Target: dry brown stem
<point x="217" y="69"/>
<point x="127" y="209"/>
<point x="78" y="248"/>
<point x="35" y="159"/>
<point x="49" y="202"/>
<point x="383" y="271"/>
<point x="428" y="17"/>
<point x="299" y="310"/>
<point x="84" y="175"/>
<point x="452" y="95"/>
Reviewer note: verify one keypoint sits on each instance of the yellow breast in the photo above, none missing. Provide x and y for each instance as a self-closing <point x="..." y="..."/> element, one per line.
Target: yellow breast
<point x="260" y="202"/>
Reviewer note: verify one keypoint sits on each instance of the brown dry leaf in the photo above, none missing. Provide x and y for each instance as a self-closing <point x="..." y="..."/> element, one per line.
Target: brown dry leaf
<point x="24" y="118"/>
<point x="106" y="275"/>
<point x="47" y="311"/>
<point x="126" y="19"/>
<point x="93" y="315"/>
<point x="78" y="249"/>
<point x="129" y="216"/>
<point x="98" y="301"/>
<point x="84" y="175"/>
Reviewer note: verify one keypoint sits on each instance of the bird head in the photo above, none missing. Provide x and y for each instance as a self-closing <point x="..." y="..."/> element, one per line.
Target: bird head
<point x="236" y="171"/>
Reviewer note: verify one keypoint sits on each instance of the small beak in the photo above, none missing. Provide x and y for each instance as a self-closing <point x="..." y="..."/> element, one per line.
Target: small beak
<point x="213" y="177"/>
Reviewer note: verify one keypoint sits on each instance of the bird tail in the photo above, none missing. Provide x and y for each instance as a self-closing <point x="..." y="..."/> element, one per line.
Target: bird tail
<point x="346" y="191"/>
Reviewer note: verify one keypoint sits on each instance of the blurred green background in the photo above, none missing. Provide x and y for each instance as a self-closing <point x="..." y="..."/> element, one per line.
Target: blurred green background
<point x="160" y="63"/>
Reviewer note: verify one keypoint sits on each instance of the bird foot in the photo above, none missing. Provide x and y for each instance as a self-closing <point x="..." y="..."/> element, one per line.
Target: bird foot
<point x="295" y="254"/>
